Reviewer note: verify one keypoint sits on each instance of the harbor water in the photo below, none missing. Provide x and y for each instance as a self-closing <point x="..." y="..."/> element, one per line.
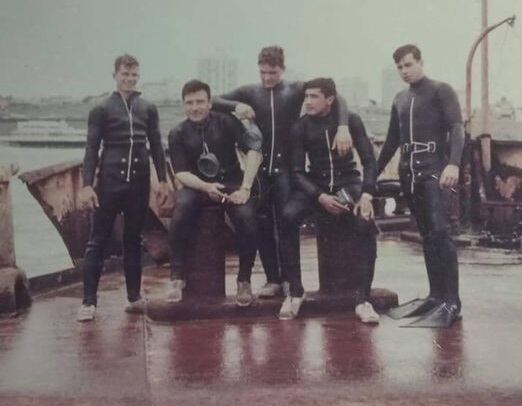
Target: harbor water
<point x="39" y="247"/>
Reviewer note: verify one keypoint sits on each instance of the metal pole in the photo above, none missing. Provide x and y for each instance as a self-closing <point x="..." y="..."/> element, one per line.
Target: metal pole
<point x="485" y="72"/>
<point x="510" y="21"/>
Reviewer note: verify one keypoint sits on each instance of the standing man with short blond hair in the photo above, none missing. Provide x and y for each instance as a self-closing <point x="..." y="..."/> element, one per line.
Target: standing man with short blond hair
<point x="121" y="126"/>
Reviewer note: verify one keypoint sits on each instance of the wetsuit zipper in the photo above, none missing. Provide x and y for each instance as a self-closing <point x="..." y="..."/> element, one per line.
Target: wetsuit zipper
<point x="129" y="158"/>
<point x="331" y="161"/>
<point x="411" y="146"/>
<point x="273" y="131"/>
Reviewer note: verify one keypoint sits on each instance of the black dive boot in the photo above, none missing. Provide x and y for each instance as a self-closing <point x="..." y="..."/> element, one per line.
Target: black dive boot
<point x="447" y="312"/>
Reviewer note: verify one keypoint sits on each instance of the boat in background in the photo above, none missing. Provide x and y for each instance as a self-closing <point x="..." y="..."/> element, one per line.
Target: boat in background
<point x="46" y="133"/>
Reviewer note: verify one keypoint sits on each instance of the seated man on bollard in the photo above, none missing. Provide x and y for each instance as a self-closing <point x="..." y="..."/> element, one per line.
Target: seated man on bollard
<point x="203" y="155"/>
<point x="330" y="188"/>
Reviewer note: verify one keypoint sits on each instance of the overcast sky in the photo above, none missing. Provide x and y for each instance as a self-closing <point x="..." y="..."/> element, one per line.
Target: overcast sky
<point x="66" y="47"/>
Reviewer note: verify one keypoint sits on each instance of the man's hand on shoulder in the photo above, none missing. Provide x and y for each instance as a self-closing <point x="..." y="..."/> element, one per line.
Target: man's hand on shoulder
<point x="343" y="140"/>
<point x="88" y="199"/>
<point x="331" y="205"/>
<point x="244" y="111"/>
<point x="449" y="176"/>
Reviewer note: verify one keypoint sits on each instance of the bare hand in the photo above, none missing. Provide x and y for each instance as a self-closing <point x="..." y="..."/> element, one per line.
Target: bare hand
<point x="364" y="207"/>
<point x="240" y="196"/>
<point x="162" y="193"/>
<point x="331" y="205"/>
<point x="343" y="140"/>
<point x="88" y="198"/>
<point x="213" y="190"/>
<point x="449" y="176"/>
<point x="244" y="111"/>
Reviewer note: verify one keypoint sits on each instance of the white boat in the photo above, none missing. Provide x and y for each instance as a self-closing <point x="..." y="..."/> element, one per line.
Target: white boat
<point x="45" y="133"/>
<point x="46" y="128"/>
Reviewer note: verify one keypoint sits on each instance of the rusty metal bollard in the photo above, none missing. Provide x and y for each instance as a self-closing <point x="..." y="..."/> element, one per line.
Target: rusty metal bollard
<point x="14" y="291"/>
<point x="205" y="266"/>
<point x="345" y="259"/>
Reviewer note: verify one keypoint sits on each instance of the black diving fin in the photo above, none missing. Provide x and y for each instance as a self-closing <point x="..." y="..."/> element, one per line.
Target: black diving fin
<point x="442" y="316"/>
<point x="413" y="308"/>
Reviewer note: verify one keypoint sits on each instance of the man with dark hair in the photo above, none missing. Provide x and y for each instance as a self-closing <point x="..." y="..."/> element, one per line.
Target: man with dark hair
<point x="122" y="124"/>
<point x="321" y="190"/>
<point x="203" y="154"/>
<point x="275" y="105"/>
<point x="426" y="124"/>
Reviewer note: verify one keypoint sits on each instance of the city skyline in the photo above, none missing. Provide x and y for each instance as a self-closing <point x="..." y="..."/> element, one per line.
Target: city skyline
<point x="66" y="47"/>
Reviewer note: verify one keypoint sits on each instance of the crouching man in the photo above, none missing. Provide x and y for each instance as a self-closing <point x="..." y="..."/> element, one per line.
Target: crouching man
<point x="328" y="189"/>
<point x="203" y="155"/>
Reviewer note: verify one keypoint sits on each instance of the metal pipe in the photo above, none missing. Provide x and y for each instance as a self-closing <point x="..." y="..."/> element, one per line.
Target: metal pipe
<point x="485" y="72"/>
<point x="511" y="22"/>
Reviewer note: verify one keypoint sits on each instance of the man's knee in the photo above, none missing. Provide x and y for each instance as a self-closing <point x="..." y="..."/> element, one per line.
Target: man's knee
<point x="437" y="237"/>
<point x="185" y="204"/>
<point x="244" y="222"/>
<point x="291" y="216"/>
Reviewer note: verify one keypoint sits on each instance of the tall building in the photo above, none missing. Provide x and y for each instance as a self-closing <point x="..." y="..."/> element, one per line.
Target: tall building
<point x="219" y="72"/>
<point x="391" y="84"/>
<point x="354" y="90"/>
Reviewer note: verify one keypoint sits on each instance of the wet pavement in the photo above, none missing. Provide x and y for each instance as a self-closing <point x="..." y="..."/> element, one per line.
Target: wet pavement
<point x="47" y="358"/>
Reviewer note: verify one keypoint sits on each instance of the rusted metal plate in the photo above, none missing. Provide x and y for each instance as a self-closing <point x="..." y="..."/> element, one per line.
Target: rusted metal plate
<point x="56" y="189"/>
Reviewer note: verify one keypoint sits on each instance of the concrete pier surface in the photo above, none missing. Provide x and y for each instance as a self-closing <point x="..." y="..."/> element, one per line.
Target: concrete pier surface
<point x="47" y="358"/>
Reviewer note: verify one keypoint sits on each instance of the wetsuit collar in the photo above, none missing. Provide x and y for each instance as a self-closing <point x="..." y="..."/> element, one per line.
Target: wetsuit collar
<point x="200" y="125"/>
<point x="321" y="119"/>
<point x="280" y="84"/>
<point x="134" y="94"/>
<point x="419" y="82"/>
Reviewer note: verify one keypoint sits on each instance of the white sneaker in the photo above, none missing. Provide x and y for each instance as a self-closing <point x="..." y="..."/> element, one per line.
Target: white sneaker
<point x="244" y="294"/>
<point x="139" y="306"/>
<point x="290" y="307"/>
<point x="269" y="290"/>
<point x="175" y="293"/>
<point x="86" y="313"/>
<point x="366" y="313"/>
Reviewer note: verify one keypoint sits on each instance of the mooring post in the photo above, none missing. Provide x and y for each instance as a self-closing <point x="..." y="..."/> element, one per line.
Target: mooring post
<point x="14" y="292"/>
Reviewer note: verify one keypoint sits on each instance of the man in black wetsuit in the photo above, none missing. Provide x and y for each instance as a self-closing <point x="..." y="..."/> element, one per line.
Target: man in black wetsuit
<point x="275" y="105"/>
<point x="213" y="136"/>
<point x="329" y="174"/>
<point x="122" y="124"/>
<point x="426" y="124"/>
